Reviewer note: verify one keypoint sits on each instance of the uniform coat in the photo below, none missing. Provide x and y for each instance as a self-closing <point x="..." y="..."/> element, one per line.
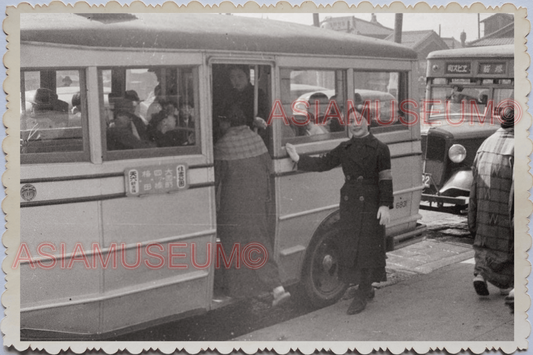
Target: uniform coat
<point x="368" y="185"/>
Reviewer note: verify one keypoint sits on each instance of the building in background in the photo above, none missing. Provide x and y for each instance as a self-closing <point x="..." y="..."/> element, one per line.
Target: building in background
<point x="498" y="30"/>
<point x="357" y="26"/>
<point x="423" y="42"/>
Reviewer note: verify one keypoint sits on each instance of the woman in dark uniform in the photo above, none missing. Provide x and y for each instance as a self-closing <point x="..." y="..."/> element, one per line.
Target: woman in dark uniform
<point x="366" y="198"/>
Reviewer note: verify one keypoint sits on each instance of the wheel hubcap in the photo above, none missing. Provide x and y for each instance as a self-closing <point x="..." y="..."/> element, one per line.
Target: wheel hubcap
<point x="327" y="262"/>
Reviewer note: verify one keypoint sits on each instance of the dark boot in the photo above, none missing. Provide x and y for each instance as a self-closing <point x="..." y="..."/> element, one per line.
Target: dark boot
<point x="358" y="304"/>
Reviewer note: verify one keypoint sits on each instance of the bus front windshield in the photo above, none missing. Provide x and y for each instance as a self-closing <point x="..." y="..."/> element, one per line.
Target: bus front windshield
<point x="457" y="99"/>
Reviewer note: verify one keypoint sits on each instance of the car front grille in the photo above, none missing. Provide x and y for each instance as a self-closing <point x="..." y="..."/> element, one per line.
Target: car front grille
<point x="435" y="158"/>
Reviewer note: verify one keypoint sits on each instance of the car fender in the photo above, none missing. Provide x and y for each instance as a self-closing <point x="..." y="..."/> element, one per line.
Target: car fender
<point x="460" y="180"/>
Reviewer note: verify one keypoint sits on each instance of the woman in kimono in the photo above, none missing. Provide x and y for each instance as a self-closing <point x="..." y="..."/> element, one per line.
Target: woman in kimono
<point x="491" y="210"/>
<point x="242" y="177"/>
<point x="366" y="198"/>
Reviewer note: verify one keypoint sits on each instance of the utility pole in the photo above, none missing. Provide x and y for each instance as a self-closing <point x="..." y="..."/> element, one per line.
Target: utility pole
<point x="316" y="20"/>
<point x="478" y="26"/>
<point x="398" y="23"/>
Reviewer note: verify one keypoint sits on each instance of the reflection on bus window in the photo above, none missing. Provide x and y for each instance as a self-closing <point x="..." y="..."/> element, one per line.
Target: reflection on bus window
<point x="377" y="97"/>
<point x="148" y="108"/>
<point x="51" y="112"/>
<point x="314" y="102"/>
<point x="459" y="99"/>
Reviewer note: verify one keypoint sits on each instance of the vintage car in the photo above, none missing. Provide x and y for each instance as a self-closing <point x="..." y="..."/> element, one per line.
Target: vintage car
<point x="448" y="152"/>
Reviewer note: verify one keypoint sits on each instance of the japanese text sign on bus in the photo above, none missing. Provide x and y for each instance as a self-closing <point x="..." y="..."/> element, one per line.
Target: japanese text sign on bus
<point x="155" y="179"/>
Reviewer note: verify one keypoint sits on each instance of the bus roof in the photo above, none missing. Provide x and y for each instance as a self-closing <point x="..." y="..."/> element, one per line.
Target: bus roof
<point x="475" y="52"/>
<point x="200" y="32"/>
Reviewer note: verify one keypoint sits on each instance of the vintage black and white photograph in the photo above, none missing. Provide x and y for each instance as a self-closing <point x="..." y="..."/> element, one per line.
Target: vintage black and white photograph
<point x="333" y="179"/>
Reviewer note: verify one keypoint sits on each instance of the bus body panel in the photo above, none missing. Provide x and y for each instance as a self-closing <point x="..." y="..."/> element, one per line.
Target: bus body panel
<point x="35" y="55"/>
<point x="121" y="216"/>
<point x="155" y="31"/>
<point x="63" y="319"/>
<point x="159" y="302"/>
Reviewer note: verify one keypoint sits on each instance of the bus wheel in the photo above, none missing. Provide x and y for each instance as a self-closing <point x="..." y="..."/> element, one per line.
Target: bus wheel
<point x="320" y="277"/>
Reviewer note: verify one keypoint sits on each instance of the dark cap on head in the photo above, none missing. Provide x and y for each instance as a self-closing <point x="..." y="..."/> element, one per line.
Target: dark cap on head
<point x="234" y="116"/>
<point x="123" y="105"/>
<point x="507" y="117"/>
<point x="131" y="95"/>
<point x="44" y="96"/>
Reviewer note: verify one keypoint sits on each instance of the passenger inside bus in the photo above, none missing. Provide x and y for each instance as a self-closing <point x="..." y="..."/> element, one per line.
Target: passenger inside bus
<point x="47" y="110"/>
<point x="75" y="118"/>
<point x="316" y="122"/>
<point x="457" y="95"/>
<point x="164" y="130"/>
<point x="334" y="124"/>
<point x="126" y="131"/>
<point x="155" y="106"/>
<point x="186" y="120"/>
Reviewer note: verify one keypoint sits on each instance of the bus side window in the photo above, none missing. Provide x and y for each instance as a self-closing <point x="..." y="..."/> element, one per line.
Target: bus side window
<point x="313" y="101"/>
<point x="149" y="109"/>
<point x="51" y="116"/>
<point x="380" y="95"/>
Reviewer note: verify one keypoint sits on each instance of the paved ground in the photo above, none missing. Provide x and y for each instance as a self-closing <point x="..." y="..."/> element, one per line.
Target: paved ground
<point x="435" y="305"/>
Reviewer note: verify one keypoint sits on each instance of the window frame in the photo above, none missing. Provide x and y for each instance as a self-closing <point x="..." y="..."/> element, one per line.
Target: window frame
<point x="403" y="94"/>
<point x="153" y="152"/>
<point x="330" y="136"/>
<point x="59" y="156"/>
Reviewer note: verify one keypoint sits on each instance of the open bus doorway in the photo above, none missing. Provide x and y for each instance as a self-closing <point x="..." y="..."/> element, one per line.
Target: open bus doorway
<point x="247" y="86"/>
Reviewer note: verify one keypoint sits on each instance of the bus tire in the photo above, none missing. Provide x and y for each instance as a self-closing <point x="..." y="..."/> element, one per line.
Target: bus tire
<point x="320" y="277"/>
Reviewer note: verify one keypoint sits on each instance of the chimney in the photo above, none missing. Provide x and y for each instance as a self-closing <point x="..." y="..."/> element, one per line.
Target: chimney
<point x="463" y="39"/>
<point x="374" y="19"/>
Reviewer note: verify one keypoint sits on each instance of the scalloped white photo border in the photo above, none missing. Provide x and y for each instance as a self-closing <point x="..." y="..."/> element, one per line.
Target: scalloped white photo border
<point x="11" y="177"/>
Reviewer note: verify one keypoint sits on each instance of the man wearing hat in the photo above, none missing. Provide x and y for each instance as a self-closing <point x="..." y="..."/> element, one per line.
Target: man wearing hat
<point x="127" y="104"/>
<point x="47" y="100"/>
<point x="47" y="110"/>
<point x="126" y="131"/>
<point x="491" y="209"/>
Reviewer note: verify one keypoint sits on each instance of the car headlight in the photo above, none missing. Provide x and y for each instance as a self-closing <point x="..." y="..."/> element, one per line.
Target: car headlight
<point x="457" y="153"/>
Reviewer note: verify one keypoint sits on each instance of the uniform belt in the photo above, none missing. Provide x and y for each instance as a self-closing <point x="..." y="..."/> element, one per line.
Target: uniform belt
<point x="358" y="180"/>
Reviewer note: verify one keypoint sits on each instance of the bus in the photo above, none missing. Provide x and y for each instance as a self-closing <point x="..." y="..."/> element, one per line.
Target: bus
<point x="125" y="237"/>
<point x="467" y="89"/>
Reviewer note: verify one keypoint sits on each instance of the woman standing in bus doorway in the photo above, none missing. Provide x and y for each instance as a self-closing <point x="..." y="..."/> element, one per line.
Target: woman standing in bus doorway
<point x="242" y="177"/>
<point x="491" y="210"/>
<point x="366" y="198"/>
<point x="242" y="95"/>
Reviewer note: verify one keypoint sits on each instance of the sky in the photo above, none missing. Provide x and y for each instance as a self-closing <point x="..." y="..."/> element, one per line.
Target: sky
<point x="451" y="24"/>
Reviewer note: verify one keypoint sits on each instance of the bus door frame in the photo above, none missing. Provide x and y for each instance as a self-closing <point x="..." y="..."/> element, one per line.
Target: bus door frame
<point x="253" y="62"/>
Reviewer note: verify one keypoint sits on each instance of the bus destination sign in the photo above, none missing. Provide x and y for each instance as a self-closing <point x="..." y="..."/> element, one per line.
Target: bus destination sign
<point x="492" y="68"/>
<point x="458" y="68"/>
<point x="155" y="179"/>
